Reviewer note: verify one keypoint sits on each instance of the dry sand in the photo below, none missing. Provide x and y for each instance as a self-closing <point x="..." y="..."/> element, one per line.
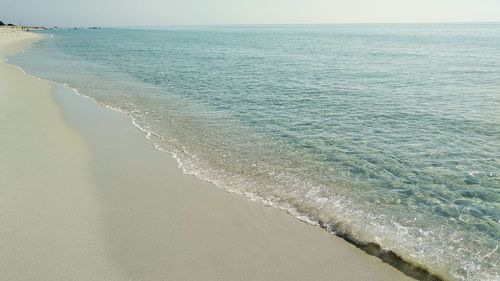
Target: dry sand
<point x="83" y="196"/>
<point x="51" y="225"/>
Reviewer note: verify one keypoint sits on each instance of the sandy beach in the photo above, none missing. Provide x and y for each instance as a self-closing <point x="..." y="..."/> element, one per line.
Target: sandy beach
<point x="84" y="196"/>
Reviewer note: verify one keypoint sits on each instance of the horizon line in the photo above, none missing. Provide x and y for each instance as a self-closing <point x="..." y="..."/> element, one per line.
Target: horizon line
<point x="276" y="24"/>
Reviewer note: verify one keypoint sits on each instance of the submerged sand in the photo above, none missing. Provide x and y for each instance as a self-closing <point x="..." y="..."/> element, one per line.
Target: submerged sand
<point x="83" y="196"/>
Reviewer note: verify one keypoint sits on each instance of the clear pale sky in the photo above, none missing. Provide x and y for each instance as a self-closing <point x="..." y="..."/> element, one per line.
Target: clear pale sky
<point x="214" y="12"/>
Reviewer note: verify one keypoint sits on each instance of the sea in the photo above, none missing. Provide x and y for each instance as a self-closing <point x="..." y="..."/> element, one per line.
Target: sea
<point x="384" y="134"/>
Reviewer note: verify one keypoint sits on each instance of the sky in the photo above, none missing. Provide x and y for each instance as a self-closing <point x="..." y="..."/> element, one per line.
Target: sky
<point x="221" y="12"/>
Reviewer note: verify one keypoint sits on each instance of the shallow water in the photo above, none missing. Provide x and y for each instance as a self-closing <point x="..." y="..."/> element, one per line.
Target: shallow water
<point x="385" y="133"/>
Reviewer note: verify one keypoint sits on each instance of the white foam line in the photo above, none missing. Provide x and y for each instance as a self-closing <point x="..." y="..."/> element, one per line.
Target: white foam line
<point x="268" y="202"/>
<point x="148" y="135"/>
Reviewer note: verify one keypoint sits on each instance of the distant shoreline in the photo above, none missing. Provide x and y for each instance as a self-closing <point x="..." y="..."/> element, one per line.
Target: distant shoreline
<point x="263" y="25"/>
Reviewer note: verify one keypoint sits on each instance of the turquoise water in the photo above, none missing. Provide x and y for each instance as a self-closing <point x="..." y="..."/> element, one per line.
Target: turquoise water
<point x="381" y="133"/>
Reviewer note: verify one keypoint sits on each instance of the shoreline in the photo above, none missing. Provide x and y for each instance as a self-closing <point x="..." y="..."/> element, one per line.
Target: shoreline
<point x="143" y="196"/>
<point x="392" y="258"/>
